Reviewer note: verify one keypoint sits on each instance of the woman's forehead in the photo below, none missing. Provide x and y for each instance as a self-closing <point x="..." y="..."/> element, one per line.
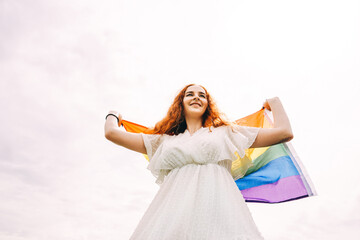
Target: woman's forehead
<point x="195" y="88"/>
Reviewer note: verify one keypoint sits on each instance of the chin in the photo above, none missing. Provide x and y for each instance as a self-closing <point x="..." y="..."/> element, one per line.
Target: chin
<point x="195" y="113"/>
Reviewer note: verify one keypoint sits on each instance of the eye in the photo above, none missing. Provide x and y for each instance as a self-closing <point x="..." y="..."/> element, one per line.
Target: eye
<point x="189" y="94"/>
<point x="202" y="95"/>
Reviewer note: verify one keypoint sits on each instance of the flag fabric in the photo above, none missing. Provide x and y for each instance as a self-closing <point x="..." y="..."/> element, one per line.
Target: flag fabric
<point x="276" y="175"/>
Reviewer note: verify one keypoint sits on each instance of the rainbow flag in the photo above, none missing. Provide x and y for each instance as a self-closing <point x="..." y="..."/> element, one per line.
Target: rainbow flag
<point x="276" y="175"/>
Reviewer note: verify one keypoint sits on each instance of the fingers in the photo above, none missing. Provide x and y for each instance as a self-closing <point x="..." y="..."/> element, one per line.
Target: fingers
<point x="266" y="105"/>
<point x="117" y="114"/>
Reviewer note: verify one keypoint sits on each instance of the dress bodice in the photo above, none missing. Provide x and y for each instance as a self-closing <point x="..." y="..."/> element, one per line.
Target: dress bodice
<point x="205" y="146"/>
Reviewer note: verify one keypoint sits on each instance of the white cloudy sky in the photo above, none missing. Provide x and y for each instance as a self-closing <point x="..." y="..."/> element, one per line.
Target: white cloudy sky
<point x="65" y="64"/>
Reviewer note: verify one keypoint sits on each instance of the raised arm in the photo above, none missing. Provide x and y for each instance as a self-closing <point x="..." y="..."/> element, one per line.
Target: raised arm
<point x="132" y="141"/>
<point x="282" y="130"/>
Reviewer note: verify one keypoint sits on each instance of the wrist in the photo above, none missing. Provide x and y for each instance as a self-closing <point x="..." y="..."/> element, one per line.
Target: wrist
<point x="112" y="115"/>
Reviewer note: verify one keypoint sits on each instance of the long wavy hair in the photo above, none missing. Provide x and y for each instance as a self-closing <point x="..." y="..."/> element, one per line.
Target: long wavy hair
<point x="174" y="122"/>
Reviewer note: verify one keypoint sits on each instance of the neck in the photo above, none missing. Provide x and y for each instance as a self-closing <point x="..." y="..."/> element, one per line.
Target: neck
<point x="193" y="124"/>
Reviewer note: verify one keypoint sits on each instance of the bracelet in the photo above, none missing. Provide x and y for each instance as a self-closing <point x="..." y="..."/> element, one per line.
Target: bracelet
<point x="114" y="116"/>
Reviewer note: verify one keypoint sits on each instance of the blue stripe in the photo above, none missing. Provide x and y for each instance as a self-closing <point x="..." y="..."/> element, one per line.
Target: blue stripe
<point x="278" y="168"/>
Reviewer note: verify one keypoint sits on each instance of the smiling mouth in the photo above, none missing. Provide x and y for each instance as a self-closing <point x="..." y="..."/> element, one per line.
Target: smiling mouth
<point x="195" y="104"/>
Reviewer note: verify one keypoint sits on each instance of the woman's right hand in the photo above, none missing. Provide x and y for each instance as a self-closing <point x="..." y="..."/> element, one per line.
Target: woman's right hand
<point x="113" y="133"/>
<point x="116" y="114"/>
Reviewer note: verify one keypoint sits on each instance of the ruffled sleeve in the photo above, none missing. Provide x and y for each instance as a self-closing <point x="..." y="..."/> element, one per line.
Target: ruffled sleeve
<point x="238" y="139"/>
<point x="152" y="142"/>
<point x="242" y="137"/>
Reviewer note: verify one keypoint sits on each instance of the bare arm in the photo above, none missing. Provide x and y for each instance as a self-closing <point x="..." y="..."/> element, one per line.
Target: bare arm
<point x="132" y="141"/>
<point x="282" y="130"/>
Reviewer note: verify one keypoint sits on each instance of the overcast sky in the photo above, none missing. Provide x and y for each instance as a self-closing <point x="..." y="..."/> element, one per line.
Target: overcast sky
<point x="65" y="64"/>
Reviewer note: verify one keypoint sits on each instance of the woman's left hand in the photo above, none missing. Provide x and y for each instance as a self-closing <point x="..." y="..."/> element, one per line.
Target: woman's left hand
<point x="270" y="101"/>
<point x="266" y="105"/>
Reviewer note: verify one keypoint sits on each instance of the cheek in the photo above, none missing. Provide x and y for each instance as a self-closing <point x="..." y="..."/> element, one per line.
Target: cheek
<point x="184" y="104"/>
<point x="206" y="103"/>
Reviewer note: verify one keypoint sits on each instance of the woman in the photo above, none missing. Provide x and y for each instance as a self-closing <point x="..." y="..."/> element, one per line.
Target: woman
<point x="191" y="151"/>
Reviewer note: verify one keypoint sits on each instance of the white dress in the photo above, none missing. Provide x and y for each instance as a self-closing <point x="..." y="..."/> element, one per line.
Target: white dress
<point x="198" y="198"/>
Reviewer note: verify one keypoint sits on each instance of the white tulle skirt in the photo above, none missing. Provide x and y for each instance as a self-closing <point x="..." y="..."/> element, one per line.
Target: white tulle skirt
<point x="197" y="202"/>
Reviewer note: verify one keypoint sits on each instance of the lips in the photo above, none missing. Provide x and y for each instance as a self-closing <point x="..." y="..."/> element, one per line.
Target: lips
<point x="196" y="104"/>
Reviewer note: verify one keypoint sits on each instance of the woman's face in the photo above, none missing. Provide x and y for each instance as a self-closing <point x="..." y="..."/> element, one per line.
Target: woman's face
<point x="195" y="101"/>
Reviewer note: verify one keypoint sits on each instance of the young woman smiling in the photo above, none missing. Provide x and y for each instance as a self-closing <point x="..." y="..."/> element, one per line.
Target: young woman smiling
<point x="191" y="151"/>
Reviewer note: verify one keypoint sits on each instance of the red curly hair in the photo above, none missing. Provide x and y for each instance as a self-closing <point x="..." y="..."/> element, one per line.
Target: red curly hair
<point x="174" y="121"/>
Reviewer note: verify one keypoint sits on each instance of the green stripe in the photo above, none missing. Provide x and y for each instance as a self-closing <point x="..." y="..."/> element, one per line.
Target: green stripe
<point x="270" y="154"/>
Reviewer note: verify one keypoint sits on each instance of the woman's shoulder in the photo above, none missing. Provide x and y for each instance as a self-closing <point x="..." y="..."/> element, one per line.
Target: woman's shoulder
<point x="224" y="127"/>
<point x="233" y="128"/>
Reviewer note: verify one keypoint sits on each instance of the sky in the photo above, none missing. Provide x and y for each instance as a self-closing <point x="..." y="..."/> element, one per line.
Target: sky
<point x="65" y="64"/>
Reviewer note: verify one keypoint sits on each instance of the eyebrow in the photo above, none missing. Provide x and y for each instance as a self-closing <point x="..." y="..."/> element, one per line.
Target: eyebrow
<point x="193" y="92"/>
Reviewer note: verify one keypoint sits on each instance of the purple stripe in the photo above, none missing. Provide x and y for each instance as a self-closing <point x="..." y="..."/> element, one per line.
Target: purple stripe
<point x="285" y="189"/>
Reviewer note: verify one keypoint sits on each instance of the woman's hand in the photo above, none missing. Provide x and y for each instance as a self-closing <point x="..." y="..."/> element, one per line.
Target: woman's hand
<point x="116" y="114"/>
<point x="111" y="122"/>
<point x="266" y="103"/>
<point x="270" y="101"/>
<point x="132" y="141"/>
<point x="281" y="132"/>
